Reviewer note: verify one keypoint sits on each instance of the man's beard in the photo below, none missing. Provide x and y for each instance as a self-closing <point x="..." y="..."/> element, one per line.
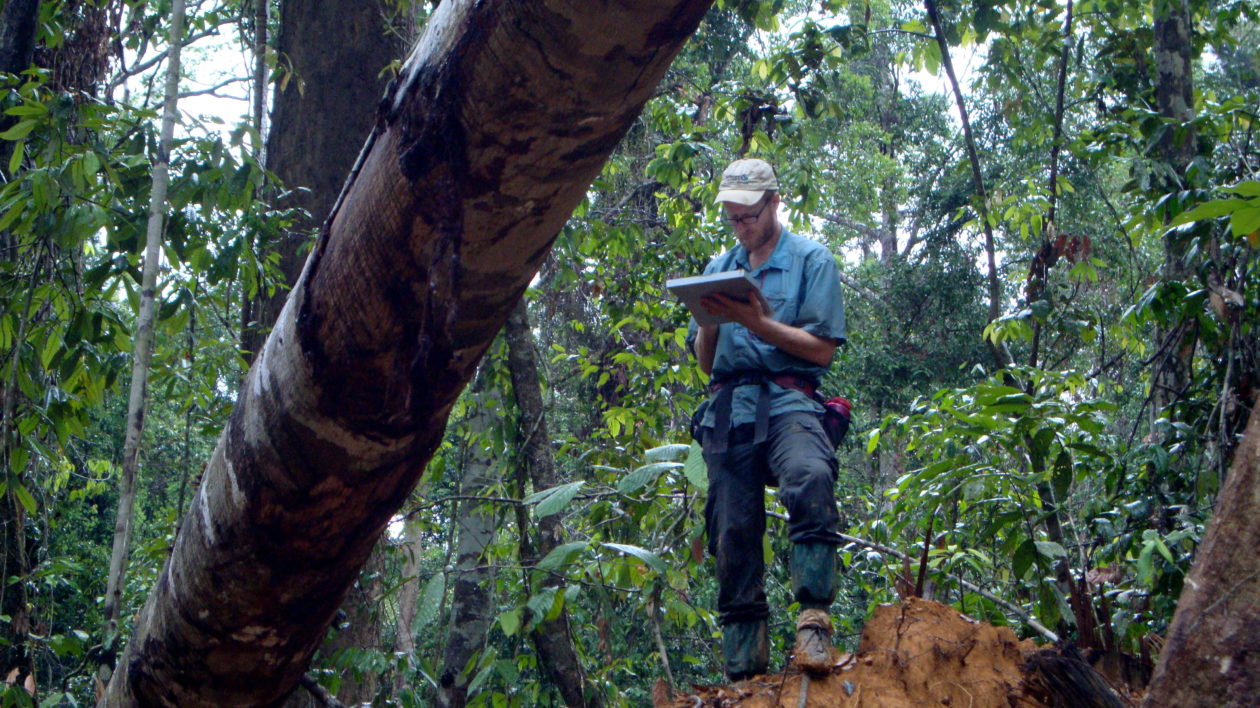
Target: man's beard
<point x="759" y="238"/>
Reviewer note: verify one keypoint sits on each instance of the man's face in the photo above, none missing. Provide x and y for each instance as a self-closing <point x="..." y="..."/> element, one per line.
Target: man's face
<point x="754" y="225"/>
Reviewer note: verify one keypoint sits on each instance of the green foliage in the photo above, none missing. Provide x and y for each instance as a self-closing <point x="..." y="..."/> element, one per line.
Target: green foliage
<point x="1013" y="477"/>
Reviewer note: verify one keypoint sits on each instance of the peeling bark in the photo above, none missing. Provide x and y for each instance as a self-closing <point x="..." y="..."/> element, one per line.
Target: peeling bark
<point x="499" y="122"/>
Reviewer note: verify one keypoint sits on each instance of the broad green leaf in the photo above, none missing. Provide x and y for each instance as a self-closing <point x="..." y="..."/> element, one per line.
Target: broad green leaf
<point x="15" y="160"/>
<point x="554" y="500"/>
<point x="695" y="470"/>
<point x="510" y="621"/>
<point x="24" y="497"/>
<point x="485" y="672"/>
<point x="654" y="561"/>
<point x="1050" y="549"/>
<point x="561" y="555"/>
<point x="18" y="457"/>
<point x="932" y="58"/>
<point x="1062" y="480"/>
<point x="1249" y="188"/>
<point x="1146" y="566"/>
<point x="1245" y="221"/>
<point x="1151" y="539"/>
<point x="872" y="442"/>
<point x="1209" y="210"/>
<point x="19" y="131"/>
<point x="1016" y="403"/>
<point x="642" y="476"/>
<point x="1022" y="559"/>
<point x="28" y="109"/>
<point x="11" y="214"/>
<point x="1163" y="550"/>
<point x="431" y="600"/>
<point x="545" y="605"/>
<point x="674" y="451"/>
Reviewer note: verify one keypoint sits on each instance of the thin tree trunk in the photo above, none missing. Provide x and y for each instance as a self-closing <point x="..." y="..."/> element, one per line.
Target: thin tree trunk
<point x="408" y="595"/>
<point x="14" y="596"/>
<point x="1041" y="264"/>
<point x="1174" y="92"/>
<point x="249" y="336"/>
<point x="1212" y="654"/>
<point x="497" y="126"/>
<point x="553" y="638"/>
<point x="982" y="197"/>
<point x="143" y="341"/>
<point x="472" y="607"/>
<point x="259" y="112"/>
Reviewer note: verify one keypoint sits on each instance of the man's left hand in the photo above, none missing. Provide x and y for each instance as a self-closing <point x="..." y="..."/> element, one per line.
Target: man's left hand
<point x="750" y="313"/>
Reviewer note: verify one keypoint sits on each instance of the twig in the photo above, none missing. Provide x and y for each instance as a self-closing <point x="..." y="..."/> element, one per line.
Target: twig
<point x="660" y="641"/>
<point x="864" y="291"/>
<point x="212" y="90"/>
<point x="320" y="694"/>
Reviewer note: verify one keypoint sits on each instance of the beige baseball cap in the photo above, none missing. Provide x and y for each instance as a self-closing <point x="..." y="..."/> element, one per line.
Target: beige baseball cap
<point x="745" y="181"/>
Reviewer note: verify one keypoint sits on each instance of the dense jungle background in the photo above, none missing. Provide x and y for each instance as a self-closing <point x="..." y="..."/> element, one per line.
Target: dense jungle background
<point x="1044" y="212"/>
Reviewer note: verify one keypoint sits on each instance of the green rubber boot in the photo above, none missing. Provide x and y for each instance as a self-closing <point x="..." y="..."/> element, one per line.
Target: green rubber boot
<point x="814" y="574"/>
<point x="746" y="649"/>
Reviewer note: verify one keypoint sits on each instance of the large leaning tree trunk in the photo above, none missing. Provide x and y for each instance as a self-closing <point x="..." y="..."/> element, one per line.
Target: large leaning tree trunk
<point x="1212" y="655"/>
<point x="499" y="122"/>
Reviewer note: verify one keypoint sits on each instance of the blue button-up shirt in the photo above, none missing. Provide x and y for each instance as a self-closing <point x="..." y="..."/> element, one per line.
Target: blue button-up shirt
<point x="802" y="284"/>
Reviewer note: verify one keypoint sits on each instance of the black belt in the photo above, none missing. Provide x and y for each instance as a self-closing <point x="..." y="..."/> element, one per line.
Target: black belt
<point x="725" y="386"/>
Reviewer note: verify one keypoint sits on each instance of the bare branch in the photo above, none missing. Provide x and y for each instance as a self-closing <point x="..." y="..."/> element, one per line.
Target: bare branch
<point x="125" y="73"/>
<point x="212" y="90"/>
<point x="874" y="232"/>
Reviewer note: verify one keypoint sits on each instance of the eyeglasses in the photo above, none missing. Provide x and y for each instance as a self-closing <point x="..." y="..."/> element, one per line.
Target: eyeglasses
<point x="746" y="218"/>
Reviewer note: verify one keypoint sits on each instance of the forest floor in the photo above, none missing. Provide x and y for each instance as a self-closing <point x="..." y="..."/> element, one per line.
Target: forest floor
<point x="919" y="653"/>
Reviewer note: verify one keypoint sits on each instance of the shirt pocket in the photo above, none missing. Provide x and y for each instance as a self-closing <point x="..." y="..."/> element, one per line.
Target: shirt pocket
<point x="775" y="286"/>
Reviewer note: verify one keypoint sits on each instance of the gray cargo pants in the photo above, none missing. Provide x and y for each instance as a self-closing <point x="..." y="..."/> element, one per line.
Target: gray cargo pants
<point x="796" y="457"/>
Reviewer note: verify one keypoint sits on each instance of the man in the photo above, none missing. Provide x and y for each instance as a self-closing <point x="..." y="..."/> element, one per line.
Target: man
<point x="761" y="426"/>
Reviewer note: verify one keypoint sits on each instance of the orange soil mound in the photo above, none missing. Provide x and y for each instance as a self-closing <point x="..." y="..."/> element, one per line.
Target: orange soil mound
<point x="919" y="653"/>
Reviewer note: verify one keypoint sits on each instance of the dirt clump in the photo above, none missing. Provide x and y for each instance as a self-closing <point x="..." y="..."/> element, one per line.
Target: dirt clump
<point x="918" y="653"/>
